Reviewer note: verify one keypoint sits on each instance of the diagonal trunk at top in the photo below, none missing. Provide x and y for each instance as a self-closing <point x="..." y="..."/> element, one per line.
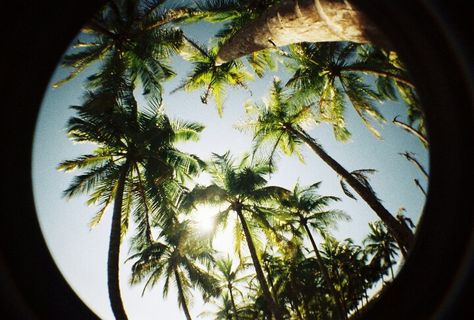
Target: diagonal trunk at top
<point x="258" y="267"/>
<point x="401" y="233"/>
<point x="339" y="305"/>
<point x="113" y="262"/>
<point x="293" y="21"/>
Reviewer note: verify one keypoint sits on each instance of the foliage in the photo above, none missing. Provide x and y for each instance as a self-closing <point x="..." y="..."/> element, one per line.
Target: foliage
<point x="289" y="277"/>
<point x="213" y="78"/>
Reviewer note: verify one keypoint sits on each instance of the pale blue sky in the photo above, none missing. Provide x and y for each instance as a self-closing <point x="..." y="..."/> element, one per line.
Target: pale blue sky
<point x="81" y="253"/>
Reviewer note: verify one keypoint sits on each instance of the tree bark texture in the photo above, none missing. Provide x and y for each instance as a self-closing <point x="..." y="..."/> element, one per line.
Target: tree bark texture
<point x="258" y="268"/>
<point x="293" y="21"/>
<point x="113" y="262"/>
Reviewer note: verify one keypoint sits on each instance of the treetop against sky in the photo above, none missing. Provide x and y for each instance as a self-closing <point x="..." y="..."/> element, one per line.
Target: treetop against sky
<point x="81" y="252"/>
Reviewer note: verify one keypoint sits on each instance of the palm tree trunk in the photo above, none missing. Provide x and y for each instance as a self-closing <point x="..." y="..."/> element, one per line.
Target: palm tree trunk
<point x="339" y="307"/>
<point x="401" y="233"/>
<point x="229" y="286"/>
<point x="181" y="294"/>
<point x="293" y="21"/>
<point x="258" y="267"/>
<point x="113" y="262"/>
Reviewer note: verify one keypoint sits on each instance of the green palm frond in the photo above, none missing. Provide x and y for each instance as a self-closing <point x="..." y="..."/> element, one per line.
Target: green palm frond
<point x="85" y="161"/>
<point x="210" y="77"/>
<point x="325" y="73"/>
<point x="362" y="99"/>
<point x="85" y="182"/>
<point x="79" y="61"/>
<point x="107" y="198"/>
<point x="261" y="61"/>
<point x="202" y="279"/>
<point x="239" y="239"/>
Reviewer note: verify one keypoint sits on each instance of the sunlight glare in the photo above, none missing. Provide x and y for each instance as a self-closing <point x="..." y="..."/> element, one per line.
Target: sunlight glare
<point x="204" y="222"/>
<point x="204" y="218"/>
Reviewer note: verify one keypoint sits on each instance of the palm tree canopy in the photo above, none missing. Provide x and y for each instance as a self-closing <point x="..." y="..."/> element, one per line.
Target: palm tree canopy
<point x="233" y="182"/>
<point x="138" y="33"/>
<point x="326" y="74"/>
<point x="270" y="121"/>
<point x="143" y="140"/>
<point x="207" y="75"/>
<point x="381" y="244"/>
<point x="306" y="206"/>
<point x="178" y="249"/>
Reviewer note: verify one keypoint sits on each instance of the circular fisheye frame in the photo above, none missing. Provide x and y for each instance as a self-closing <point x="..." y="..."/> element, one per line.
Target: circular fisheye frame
<point x="179" y="169"/>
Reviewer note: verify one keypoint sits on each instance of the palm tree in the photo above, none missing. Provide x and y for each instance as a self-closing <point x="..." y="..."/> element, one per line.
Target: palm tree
<point x="225" y="309"/>
<point x="381" y="245"/>
<point x="305" y="208"/>
<point x="280" y="123"/>
<point x="345" y="261"/>
<point x="136" y="34"/>
<point x="176" y="257"/>
<point x="327" y="74"/>
<point x="388" y="86"/>
<point x="135" y="166"/>
<point x="229" y="277"/>
<point x="293" y="21"/>
<point x="207" y="75"/>
<point x="242" y="187"/>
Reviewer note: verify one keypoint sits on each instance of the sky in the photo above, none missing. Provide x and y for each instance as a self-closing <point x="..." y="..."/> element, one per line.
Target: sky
<point x="81" y="253"/>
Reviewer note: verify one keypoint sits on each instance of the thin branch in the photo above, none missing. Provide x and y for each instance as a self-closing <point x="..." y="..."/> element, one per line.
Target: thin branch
<point x="411" y="130"/>
<point x="419" y="186"/>
<point x="410" y="157"/>
<point x="380" y="73"/>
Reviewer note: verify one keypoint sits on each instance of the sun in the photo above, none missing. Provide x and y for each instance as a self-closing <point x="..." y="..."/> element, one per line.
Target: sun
<point x="204" y="219"/>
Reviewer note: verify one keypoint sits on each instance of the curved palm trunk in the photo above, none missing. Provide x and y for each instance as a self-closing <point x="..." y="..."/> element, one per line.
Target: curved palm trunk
<point x="114" y="249"/>
<point x="401" y="233"/>
<point x="258" y="267"/>
<point x="181" y="294"/>
<point x="229" y="286"/>
<point x="293" y="21"/>
<point x="339" y="306"/>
